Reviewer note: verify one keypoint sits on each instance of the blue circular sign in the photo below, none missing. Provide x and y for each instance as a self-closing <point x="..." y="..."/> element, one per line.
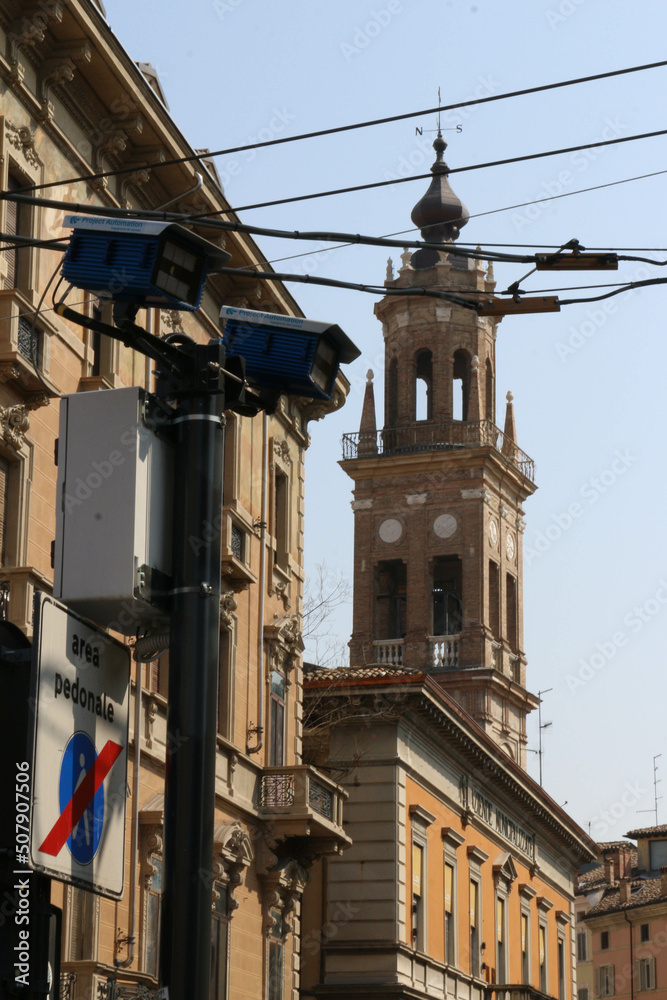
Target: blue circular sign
<point x="79" y="757"/>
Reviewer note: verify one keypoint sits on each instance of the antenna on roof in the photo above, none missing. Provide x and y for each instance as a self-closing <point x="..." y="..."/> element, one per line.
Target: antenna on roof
<point x="656" y="797"/>
<point x="540" y="726"/>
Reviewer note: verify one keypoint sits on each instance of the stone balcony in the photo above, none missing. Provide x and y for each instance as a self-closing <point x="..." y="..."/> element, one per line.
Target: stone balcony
<point x="300" y="801"/>
<point x="444" y="652"/>
<point x="429" y="436"/>
<point x="511" y="991"/>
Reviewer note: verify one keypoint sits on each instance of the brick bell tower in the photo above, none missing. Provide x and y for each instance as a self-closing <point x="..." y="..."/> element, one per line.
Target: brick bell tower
<point x="438" y="577"/>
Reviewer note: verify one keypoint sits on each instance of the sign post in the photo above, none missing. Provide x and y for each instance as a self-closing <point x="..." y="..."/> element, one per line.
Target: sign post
<point x="82" y="687"/>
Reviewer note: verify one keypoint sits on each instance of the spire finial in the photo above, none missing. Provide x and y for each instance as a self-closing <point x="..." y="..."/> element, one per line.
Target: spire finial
<point x="439" y="132"/>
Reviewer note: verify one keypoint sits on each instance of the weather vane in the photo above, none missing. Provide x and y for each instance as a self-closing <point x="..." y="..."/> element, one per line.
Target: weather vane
<point x="453" y="128"/>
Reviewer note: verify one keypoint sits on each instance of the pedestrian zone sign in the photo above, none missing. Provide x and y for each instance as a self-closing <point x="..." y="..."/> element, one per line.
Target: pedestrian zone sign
<point x="81" y="686"/>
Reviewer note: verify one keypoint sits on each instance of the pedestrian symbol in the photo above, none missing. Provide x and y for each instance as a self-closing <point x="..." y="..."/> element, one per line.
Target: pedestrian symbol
<point x="79" y="757"/>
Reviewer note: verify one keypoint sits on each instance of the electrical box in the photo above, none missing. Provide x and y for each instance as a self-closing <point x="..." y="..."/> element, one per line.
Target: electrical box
<point x="112" y="559"/>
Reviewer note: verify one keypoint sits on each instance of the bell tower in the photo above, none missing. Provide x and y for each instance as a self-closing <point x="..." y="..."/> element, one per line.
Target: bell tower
<point x="438" y="491"/>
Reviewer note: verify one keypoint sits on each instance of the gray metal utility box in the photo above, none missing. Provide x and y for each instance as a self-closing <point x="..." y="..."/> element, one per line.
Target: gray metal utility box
<point x="114" y="509"/>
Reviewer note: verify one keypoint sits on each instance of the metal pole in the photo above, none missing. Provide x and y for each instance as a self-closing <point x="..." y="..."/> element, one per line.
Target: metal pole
<point x="189" y="808"/>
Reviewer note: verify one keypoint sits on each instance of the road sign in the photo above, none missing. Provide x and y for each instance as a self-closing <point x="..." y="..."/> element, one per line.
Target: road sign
<point x="81" y="679"/>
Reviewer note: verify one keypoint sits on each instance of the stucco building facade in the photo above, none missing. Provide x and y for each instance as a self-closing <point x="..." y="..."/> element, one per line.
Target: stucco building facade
<point x="621" y="909"/>
<point x="73" y="104"/>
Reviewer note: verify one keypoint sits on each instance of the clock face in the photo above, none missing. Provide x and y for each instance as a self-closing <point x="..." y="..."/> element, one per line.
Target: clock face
<point x="509" y="544"/>
<point x="390" y="530"/>
<point x="493" y="533"/>
<point x="445" y="525"/>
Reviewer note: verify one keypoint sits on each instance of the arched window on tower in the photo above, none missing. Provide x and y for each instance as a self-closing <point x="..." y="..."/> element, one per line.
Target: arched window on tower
<point x="391" y="395"/>
<point x="490" y="408"/>
<point x="447" y="609"/>
<point x="390" y="599"/>
<point x="461" y="392"/>
<point x="423" y="385"/>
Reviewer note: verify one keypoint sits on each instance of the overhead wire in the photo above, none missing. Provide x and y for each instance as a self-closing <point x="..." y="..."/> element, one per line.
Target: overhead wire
<point x="202" y="156"/>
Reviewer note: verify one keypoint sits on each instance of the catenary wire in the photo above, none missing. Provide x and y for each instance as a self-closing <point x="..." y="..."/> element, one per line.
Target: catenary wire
<point x="210" y="216"/>
<point x="417" y="177"/>
<point x="201" y="156"/>
<point x="494" y="211"/>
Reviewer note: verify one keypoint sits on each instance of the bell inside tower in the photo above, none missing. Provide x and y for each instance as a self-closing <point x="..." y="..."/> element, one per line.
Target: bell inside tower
<point x="446" y="596"/>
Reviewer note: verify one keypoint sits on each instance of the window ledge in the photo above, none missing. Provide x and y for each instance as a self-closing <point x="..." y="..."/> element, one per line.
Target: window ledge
<point x="235" y="569"/>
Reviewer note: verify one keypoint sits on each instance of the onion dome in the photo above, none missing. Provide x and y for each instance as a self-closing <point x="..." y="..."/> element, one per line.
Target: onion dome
<point x="440" y="215"/>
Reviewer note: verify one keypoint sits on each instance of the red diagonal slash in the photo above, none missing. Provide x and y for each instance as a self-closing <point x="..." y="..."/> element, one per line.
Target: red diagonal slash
<point x="81" y="799"/>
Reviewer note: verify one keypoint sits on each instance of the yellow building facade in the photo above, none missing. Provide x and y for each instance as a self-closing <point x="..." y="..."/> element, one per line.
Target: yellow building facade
<point x="73" y="104"/>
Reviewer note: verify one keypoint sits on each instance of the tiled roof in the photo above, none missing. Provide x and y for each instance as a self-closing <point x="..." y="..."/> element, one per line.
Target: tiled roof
<point x="648" y="831"/>
<point x="315" y="673"/>
<point x="644" y="893"/>
<point x="594" y="877"/>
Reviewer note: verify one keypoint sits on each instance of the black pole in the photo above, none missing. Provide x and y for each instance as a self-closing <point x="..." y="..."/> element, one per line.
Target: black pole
<point x="185" y="937"/>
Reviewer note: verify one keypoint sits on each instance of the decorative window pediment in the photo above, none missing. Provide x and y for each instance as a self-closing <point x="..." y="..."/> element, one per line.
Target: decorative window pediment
<point x="504" y="871"/>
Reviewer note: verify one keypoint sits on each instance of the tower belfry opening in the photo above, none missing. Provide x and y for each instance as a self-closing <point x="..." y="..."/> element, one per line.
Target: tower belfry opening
<point x="438" y="490"/>
<point x="447" y="596"/>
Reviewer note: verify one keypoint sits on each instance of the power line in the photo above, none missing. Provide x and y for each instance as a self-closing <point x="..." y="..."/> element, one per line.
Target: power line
<point x="418" y="177"/>
<point x="200" y="157"/>
<point x="234" y="226"/>
<point x="608" y="295"/>
<point x="509" y="208"/>
<point x="309" y="279"/>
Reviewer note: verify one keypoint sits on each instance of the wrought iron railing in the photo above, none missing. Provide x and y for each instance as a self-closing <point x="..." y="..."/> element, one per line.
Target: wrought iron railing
<point x="111" y="989"/>
<point x="67" y="982"/>
<point x="320" y="799"/>
<point x="300" y="788"/>
<point x="445" y="436"/>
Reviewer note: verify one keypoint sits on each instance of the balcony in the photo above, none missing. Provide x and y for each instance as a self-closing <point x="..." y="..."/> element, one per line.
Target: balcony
<point x="443" y="652"/>
<point x="300" y="801"/>
<point x="446" y="436"/>
<point x="522" y="991"/>
<point x="388" y="652"/>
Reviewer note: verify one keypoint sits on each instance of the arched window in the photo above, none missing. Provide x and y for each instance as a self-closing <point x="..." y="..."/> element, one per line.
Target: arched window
<point x="423" y="385"/>
<point x="391" y="395"/>
<point x="490" y="408"/>
<point x="461" y="392"/>
<point x="446" y="596"/>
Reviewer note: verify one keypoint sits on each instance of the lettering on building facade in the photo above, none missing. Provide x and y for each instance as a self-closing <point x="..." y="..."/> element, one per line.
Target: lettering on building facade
<point x="475" y="803"/>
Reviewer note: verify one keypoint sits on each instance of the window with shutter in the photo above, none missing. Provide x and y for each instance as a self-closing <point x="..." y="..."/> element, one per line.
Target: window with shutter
<point x="450" y="954"/>
<point x="4" y="475"/>
<point x="645" y="973"/>
<point x="81" y="917"/>
<point x="12" y="224"/>
<point x="604" y="981"/>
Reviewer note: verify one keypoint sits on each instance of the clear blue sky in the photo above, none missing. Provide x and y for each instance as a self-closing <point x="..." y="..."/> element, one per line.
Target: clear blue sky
<point x="588" y="382"/>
